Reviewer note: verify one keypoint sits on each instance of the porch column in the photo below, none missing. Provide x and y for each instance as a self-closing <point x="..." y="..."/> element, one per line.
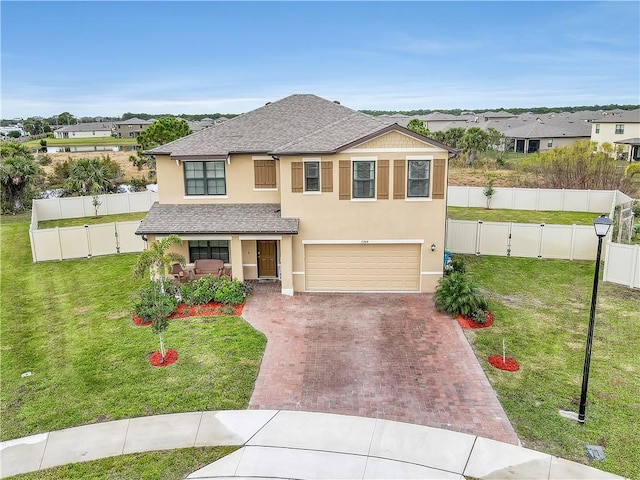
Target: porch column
<point x="286" y="264"/>
<point x="236" y="258"/>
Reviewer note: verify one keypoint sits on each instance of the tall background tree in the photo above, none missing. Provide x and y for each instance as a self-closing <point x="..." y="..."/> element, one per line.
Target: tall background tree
<point x="160" y="132"/>
<point x="474" y="141"/>
<point x="19" y="174"/>
<point x="92" y="175"/>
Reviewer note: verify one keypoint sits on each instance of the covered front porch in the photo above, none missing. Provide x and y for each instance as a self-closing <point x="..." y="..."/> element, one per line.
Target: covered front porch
<point x="252" y="240"/>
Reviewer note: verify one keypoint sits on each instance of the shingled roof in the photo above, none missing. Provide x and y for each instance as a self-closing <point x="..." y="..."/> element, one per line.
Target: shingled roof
<point x="300" y="123"/>
<point x="225" y="218"/>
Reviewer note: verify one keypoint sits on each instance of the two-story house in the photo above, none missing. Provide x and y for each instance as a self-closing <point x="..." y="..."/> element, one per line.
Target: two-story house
<point x="312" y="193"/>
<point x="131" y="128"/>
<point x="619" y="129"/>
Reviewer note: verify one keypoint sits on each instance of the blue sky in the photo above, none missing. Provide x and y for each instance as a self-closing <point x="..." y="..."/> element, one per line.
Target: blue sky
<point x="107" y="58"/>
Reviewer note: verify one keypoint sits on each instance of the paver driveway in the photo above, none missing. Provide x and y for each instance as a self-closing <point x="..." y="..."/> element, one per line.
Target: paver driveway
<point x="389" y="356"/>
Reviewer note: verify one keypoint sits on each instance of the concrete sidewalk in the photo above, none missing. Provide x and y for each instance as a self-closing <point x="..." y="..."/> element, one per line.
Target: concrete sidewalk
<point x="287" y="444"/>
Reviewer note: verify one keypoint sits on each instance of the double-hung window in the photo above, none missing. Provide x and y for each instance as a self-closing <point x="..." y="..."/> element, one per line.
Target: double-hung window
<point x="619" y="128"/>
<point x="204" y="178"/>
<point x="312" y="176"/>
<point x="597" y="128"/>
<point x="364" y="179"/>
<point x="418" y="178"/>
<point x="216" y="249"/>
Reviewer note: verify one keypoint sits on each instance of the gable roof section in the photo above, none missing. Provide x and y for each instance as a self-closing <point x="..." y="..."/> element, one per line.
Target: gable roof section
<point x="87" y="127"/>
<point x="628" y="116"/>
<point x="225" y="218"/>
<point x="296" y="124"/>
<point x="550" y="130"/>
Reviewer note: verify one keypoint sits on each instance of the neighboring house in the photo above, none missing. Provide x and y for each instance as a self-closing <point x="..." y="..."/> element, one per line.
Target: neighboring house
<point x="539" y="136"/>
<point x="312" y="193"/>
<point x="619" y="129"/>
<point x="84" y="130"/>
<point x="131" y="128"/>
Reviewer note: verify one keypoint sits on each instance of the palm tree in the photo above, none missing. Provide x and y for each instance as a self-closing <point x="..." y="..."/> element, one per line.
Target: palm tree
<point x="474" y="141"/>
<point x="88" y="175"/>
<point x="158" y="259"/>
<point x="18" y="173"/>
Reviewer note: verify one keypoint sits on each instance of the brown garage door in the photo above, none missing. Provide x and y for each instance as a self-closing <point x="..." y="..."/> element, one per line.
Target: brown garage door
<point x="362" y="267"/>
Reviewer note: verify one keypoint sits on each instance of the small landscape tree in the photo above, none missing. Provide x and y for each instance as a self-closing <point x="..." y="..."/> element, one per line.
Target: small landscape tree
<point x="488" y="192"/>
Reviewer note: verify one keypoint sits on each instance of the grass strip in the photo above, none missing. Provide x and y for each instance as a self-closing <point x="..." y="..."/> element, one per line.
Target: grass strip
<point x="160" y="465"/>
<point x="78" y="222"/>
<point x="520" y="216"/>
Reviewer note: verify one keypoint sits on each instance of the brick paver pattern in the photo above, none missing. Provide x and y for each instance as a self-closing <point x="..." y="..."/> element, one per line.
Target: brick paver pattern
<point x="388" y="356"/>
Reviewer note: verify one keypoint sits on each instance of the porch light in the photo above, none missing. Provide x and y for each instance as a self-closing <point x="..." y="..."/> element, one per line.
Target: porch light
<point x="433" y="247"/>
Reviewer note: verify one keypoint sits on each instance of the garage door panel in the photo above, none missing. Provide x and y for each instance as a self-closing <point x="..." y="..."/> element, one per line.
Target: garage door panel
<point x="357" y="267"/>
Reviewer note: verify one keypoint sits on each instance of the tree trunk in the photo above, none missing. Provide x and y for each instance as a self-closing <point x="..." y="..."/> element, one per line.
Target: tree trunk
<point x="162" y="351"/>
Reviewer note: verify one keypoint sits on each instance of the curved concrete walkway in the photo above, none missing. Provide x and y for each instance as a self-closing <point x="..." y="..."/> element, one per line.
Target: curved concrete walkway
<point x="300" y="445"/>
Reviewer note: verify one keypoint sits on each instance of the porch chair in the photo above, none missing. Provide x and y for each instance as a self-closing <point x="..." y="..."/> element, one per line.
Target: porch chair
<point x="180" y="275"/>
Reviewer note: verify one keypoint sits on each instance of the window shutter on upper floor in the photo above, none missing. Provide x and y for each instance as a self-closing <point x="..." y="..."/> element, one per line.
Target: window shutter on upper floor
<point x="439" y="178"/>
<point x="345" y="179"/>
<point x="327" y="176"/>
<point x="296" y="177"/>
<point x="264" y="173"/>
<point x="398" y="179"/>
<point x="383" y="179"/>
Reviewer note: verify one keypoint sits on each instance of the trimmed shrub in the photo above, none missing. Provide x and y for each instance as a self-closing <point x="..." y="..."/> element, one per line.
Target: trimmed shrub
<point x="456" y="294"/>
<point x="153" y="304"/>
<point x="212" y="289"/>
<point x="229" y="292"/>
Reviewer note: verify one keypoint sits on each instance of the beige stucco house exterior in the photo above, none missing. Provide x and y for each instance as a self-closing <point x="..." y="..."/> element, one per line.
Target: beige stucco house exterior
<point x="312" y="193"/>
<point x="619" y="129"/>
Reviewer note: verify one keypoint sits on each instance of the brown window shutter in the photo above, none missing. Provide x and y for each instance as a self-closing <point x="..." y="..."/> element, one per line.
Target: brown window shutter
<point x="296" y="177"/>
<point x="345" y="179"/>
<point x="327" y="176"/>
<point x="398" y="179"/>
<point x="383" y="179"/>
<point x="439" y="176"/>
<point x="264" y="173"/>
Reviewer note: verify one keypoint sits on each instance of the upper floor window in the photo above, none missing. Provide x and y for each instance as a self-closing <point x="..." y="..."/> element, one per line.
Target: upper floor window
<point x="550" y="143"/>
<point x="619" y="128"/>
<point x="597" y="128"/>
<point x="204" y="178"/>
<point x="312" y="176"/>
<point x="363" y="179"/>
<point x="418" y="178"/>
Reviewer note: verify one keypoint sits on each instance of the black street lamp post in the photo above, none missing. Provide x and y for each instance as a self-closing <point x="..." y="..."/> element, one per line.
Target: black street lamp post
<point x="601" y="225"/>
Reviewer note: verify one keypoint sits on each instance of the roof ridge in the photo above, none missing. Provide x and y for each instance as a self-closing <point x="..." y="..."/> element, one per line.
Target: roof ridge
<point x="339" y="121"/>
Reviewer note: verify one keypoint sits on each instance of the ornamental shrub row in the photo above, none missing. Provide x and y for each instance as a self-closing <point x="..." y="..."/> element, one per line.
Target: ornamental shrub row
<point x="212" y="289"/>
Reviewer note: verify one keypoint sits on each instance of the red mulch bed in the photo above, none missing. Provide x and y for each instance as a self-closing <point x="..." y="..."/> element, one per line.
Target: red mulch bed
<point x="138" y="321"/>
<point x="206" y="310"/>
<point x="170" y="356"/>
<point x="465" y="322"/>
<point x="211" y="309"/>
<point x="509" y="364"/>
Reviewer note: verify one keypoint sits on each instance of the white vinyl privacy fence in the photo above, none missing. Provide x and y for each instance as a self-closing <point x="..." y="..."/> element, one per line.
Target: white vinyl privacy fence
<point x="545" y="199"/>
<point x="571" y="242"/>
<point x="88" y="240"/>
<point x="622" y="264"/>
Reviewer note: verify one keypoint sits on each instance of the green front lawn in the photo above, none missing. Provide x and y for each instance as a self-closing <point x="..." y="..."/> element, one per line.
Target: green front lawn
<point x="160" y="465"/>
<point x="78" y="222"/>
<point x="520" y="216"/>
<point x="69" y="323"/>
<point x="541" y="310"/>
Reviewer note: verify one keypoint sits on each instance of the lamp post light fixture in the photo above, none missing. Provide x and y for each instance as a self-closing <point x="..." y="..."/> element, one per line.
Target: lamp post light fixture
<point x="602" y="224"/>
